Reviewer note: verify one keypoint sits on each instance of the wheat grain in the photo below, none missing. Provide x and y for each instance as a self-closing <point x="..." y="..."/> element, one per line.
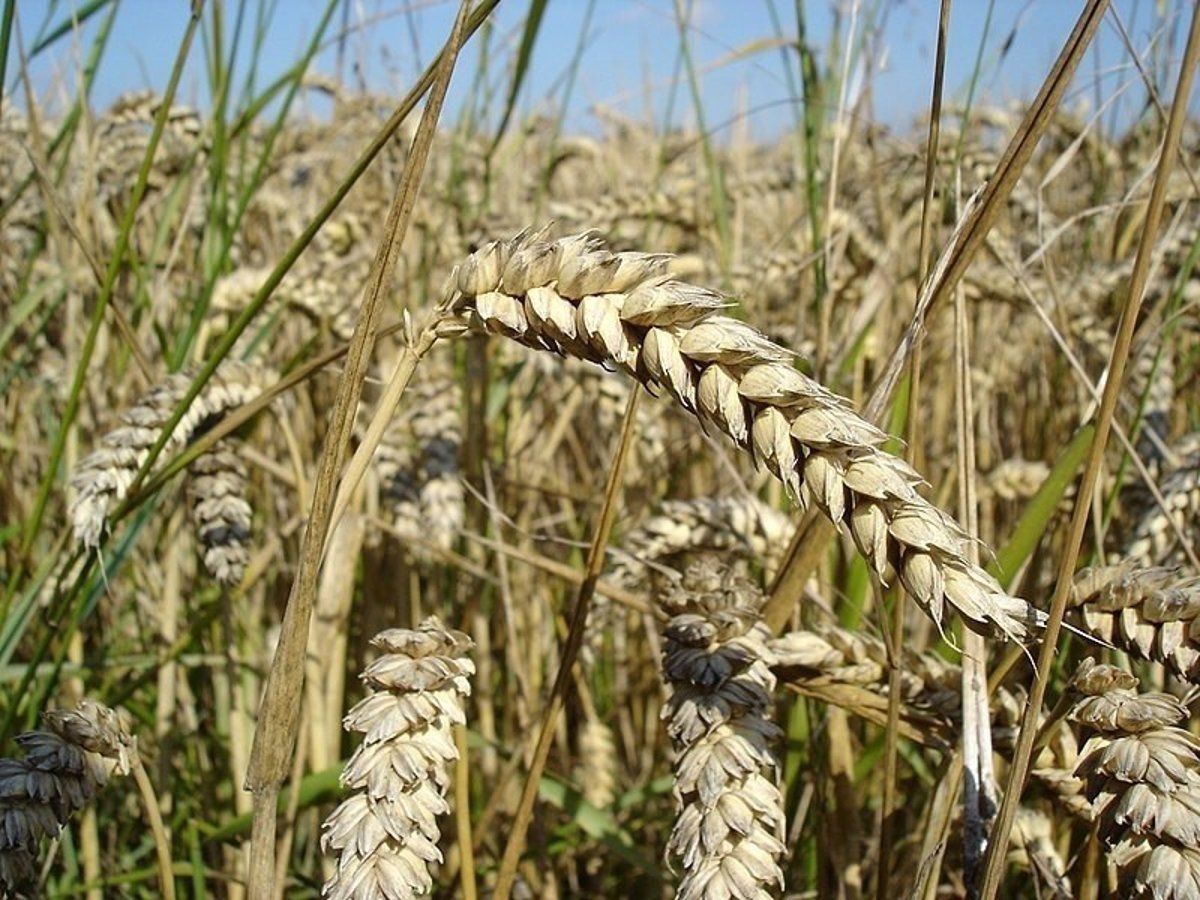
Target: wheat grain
<point x="386" y="833"/>
<point x="64" y="767"/>
<point x="571" y="296"/>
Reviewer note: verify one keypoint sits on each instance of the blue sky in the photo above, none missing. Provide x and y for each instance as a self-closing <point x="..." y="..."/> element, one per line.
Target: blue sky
<point x="631" y="51"/>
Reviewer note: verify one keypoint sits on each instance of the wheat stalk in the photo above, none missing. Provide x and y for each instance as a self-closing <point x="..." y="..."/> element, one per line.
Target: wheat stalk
<point x="386" y="833"/>
<point x="728" y="832"/>
<point x="571" y="296"/>
<point x="64" y="767"/>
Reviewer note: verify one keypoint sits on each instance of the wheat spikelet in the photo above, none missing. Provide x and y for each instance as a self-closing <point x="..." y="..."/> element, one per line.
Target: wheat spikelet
<point x="571" y="296"/>
<point x="728" y="833"/>
<point x="104" y="476"/>
<point x="64" y="767"/>
<point x="1153" y="613"/>
<point x="220" y="511"/>
<point x="386" y="833"/>
<point x="1143" y="779"/>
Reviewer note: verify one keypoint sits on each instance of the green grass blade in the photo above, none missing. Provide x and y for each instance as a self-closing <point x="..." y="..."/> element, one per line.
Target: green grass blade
<point x="533" y="25"/>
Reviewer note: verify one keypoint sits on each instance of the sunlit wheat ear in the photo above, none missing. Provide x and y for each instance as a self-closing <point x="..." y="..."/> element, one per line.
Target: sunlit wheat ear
<point x="64" y="767"/>
<point x="1142" y="776"/>
<point x="1154" y="540"/>
<point x="386" y="833"/>
<point x="728" y="833"/>
<point x="220" y="511"/>
<point x="104" y="476"/>
<point x="573" y="297"/>
<point x="1152" y="613"/>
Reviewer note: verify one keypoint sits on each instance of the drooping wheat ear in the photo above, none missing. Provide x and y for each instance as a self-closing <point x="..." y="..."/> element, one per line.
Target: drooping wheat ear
<point x="1152" y="613"/>
<point x="741" y="524"/>
<point x="1154" y="540"/>
<point x="1142" y="777"/>
<point x="386" y="833"/>
<point x="103" y="477"/>
<point x="571" y="296"/>
<point x="220" y="511"/>
<point x="728" y="833"/>
<point x="418" y="464"/>
<point x="64" y="767"/>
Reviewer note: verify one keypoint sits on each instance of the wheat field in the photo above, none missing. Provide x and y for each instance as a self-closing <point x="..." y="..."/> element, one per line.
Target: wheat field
<point x="426" y="498"/>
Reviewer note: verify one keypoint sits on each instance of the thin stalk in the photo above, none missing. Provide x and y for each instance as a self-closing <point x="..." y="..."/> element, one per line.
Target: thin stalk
<point x="162" y="842"/>
<point x="810" y="85"/>
<point x="462" y="815"/>
<point x="1116" y="368"/>
<point x="915" y="439"/>
<point x="570" y="652"/>
<point x="279" y="714"/>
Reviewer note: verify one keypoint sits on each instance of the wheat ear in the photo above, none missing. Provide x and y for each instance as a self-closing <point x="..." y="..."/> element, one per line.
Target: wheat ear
<point x="104" y="476"/>
<point x="221" y="513"/>
<point x="572" y="297"/>
<point x="64" y="767"/>
<point x="1154" y="540"/>
<point x="728" y="833"/>
<point x="1152" y="613"/>
<point x="1142" y="777"/>
<point x="386" y="833"/>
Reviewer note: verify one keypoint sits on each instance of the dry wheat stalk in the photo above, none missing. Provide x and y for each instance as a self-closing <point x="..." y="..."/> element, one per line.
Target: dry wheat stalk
<point x="221" y="513"/>
<point x="64" y="767"/>
<point x="728" y="834"/>
<point x="386" y="833"/>
<point x="572" y="297"/>
<point x="104" y="476"/>
<point x="1143" y="779"/>
<point x="1152" y="613"/>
